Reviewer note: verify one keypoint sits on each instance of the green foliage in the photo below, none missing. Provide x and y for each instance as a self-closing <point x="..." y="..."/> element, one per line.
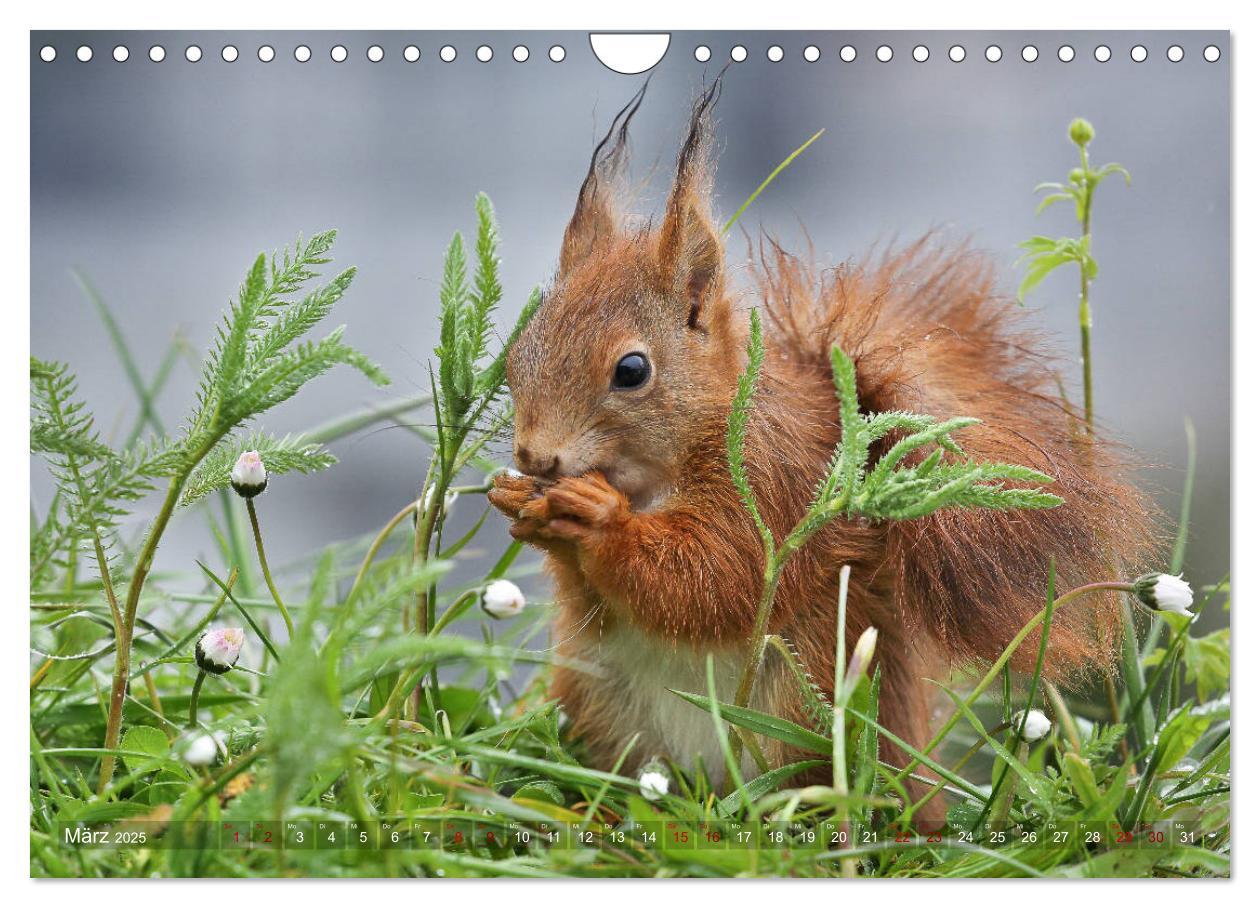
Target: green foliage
<point x="893" y="488"/>
<point x="1044" y="254"/>
<point x="259" y="358"/>
<point x="737" y="427"/>
<point x="96" y="485"/>
<point x="287" y="454"/>
<point x="313" y="734"/>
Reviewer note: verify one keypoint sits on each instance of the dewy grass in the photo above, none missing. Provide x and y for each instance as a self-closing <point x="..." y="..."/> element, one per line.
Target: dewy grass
<point x="319" y="732"/>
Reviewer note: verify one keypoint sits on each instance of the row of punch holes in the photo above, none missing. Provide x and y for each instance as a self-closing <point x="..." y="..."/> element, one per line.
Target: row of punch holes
<point x="775" y="53"/>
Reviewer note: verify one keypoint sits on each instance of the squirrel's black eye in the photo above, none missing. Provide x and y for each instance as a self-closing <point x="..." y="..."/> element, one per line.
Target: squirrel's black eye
<point x="632" y="372"/>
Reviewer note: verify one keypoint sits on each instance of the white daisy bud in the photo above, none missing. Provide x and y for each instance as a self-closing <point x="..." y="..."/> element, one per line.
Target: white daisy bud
<point x="653" y="784"/>
<point x="1165" y="593"/>
<point x="1035" y="726"/>
<point x="860" y="661"/>
<point x="218" y="650"/>
<point x="200" y="749"/>
<point x="249" y="476"/>
<point x="502" y="599"/>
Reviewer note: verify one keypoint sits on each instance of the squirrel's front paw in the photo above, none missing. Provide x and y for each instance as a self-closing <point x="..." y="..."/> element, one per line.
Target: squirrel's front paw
<point x="577" y="508"/>
<point x="512" y="491"/>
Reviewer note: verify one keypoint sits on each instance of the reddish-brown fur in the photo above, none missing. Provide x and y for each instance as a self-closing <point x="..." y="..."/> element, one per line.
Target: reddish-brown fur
<point x="630" y="496"/>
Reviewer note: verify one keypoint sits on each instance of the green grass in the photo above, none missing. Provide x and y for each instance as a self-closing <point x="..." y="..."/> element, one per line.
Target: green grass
<point x="321" y="733"/>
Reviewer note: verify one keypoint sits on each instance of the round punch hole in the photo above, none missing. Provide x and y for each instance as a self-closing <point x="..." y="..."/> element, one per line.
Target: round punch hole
<point x="1138" y="53"/>
<point x="1102" y="53"/>
<point x="1067" y="53"/>
<point x="1029" y="53"/>
<point x="447" y="53"/>
<point x="883" y="53"/>
<point x="83" y="54"/>
<point x="48" y="53"/>
<point x="520" y="53"/>
<point x="302" y="53"/>
<point x="229" y="53"/>
<point x="774" y="53"/>
<point x="1211" y="53"/>
<point x="157" y="53"/>
<point x="485" y="53"/>
<point x="993" y="53"/>
<point x="192" y="53"/>
<point x="1175" y="53"/>
<point x="375" y="53"/>
<point x="811" y="54"/>
<point x="702" y="53"/>
<point x="957" y="53"/>
<point x="411" y="53"/>
<point x="920" y="53"/>
<point x="339" y="53"/>
<point x="121" y="53"/>
<point x="739" y="53"/>
<point x="556" y="53"/>
<point x="266" y="53"/>
<point x="848" y="53"/>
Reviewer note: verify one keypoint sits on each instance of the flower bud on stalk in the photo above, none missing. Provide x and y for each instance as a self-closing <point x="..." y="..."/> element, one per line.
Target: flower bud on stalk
<point x="249" y="475"/>
<point x="860" y="661"/>
<point x="1081" y="132"/>
<point x="1165" y="593"/>
<point x="502" y="599"/>
<point x="1036" y="726"/>
<point x="218" y="650"/>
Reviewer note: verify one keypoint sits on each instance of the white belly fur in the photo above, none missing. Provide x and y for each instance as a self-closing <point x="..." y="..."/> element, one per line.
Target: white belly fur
<point x="639" y="672"/>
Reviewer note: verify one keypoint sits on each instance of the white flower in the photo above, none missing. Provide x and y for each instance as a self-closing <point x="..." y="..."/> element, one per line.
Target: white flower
<point x="218" y="650"/>
<point x="1165" y="593"/>
<point x="249" y="476"/>
<point x="653" y="784"/>
<point x="1035" y="726"/>
<point x="199" y="749"/>
<point x="448" y="500"/>
<point x="502" y="599"/>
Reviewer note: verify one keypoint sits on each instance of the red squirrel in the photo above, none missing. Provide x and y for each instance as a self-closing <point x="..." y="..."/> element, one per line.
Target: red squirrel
<point x="622" y="385"/>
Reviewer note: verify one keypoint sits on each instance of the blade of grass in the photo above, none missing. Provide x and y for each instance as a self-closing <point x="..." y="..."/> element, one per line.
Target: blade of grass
<point x="787" y="162"/>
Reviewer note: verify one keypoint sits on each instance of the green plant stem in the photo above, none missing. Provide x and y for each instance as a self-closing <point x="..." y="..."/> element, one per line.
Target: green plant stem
<point x="122" y="655"/>
<point x="1084" y="315"/>
<point x="761" y="623"/>
<point x="266" y="571"/>
<point x="375" y="547"/>
<point x="193" y="697"/>
<point x="839" y="738"/>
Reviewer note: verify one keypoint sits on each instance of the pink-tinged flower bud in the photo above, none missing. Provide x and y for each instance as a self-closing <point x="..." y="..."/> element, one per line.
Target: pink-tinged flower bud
<point x="218" y="650"/>
<point x="1035" y="726"/>
<point x="502" y="599"/>
<point x="249" y="476"/>
<point x="1165" y="593"/>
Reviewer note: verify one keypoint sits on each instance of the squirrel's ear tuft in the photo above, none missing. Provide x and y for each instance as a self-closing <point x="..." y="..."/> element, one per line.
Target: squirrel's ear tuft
<point x="595" y="219"/>
<point x="690" y="248"/>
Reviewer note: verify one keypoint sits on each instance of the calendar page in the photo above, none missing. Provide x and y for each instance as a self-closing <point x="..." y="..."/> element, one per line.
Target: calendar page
<point x="669" y="454"/>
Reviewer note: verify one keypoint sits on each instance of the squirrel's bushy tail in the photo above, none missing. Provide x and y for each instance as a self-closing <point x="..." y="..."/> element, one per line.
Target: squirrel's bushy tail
<point x="928" y="334"/>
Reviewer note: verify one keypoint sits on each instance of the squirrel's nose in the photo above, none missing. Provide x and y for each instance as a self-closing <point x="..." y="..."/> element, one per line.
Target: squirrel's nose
<point x="544" y="465"/>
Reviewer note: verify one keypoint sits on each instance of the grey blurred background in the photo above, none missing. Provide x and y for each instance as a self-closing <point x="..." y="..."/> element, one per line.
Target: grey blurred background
<point x="161" y="182"/>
